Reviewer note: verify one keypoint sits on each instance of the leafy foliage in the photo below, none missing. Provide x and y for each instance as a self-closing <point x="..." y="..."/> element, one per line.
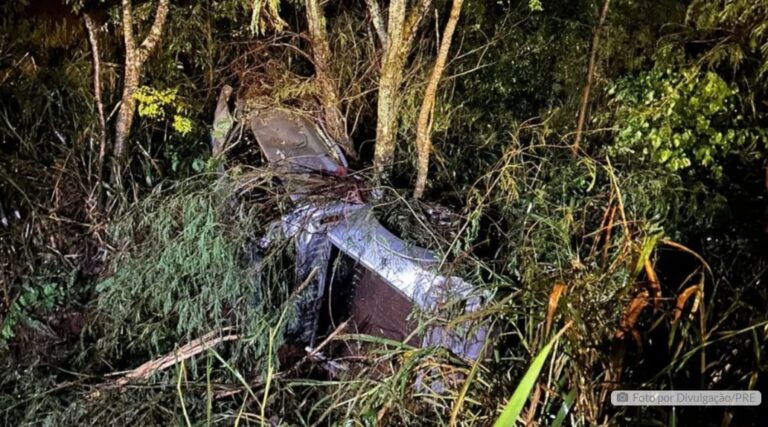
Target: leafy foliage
<point x="183" y="273"/>
<point x="40" y="298"/>
<point x="740" y="29"/>
<point x="154" y="103"/>
<point x="682" y="118"/>
<point x="535" y="5"/>
<point x="515" y="405"/>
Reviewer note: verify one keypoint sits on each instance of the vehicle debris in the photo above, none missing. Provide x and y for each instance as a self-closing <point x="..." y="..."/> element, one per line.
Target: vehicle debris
<point x="354" y="266"/>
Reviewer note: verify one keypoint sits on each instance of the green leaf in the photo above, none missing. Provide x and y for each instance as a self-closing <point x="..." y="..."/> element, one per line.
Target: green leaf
<point x="515" y="405"/>
<point x="198" y="165"/>
<point x="535" y="5"/>
<point x="565" y="409"/>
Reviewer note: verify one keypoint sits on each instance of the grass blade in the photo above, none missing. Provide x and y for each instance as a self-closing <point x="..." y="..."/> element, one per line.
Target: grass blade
<point x="515" y="404"/>
<point x="565" y="409"/>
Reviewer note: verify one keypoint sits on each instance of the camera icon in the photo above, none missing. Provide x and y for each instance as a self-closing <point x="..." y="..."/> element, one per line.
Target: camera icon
<point x="622" y="397"/>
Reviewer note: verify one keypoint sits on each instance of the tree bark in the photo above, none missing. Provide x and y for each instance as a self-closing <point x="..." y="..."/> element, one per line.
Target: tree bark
<point x="401" y="31"/>
<point x="590" y="76"/>
<point x="386" y="122"/>
<point x="424" y="122"/>
<point x="321" y="56"/>
<point x="93" y="40"/>
<point x="378" y="22"/>
<point x="127" y="108"/>
<point x="135" y="57"/>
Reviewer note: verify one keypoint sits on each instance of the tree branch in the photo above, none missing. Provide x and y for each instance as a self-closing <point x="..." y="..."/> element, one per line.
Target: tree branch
<point x="395" y="25"/>
<point x="401" y="31"/>
<point x="130" y="43"/>
<point x="184" y="352"/>
<point x="424" y="122"/>
<point x="93" y="39"/>
<point x="378" y="22"/>
<point x="155" y="33"/>
<point x="414" y="19"/>
<point x="590" y="76"/>
<point x="321" y="55"/>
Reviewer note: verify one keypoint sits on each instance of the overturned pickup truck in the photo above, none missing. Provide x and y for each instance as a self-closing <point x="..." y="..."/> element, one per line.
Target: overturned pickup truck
<point x="351" y="267"/>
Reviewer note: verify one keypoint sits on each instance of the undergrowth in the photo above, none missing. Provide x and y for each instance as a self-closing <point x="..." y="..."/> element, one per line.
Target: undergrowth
<point x="550" y="239"/>
<point x="181" y="272"/>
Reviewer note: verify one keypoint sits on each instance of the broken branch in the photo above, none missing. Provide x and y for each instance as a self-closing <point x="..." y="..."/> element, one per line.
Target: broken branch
<point x="185" y="352"/>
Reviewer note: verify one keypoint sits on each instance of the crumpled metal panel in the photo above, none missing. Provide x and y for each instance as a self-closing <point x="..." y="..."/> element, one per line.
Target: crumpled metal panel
<point x="465" y="339"/>
<point x="306" y="225"/>
<point x="413" y="272"/>
<point x="363" y="238"/>
<point x="292" y="142"/>
<point x="409" y="269"/>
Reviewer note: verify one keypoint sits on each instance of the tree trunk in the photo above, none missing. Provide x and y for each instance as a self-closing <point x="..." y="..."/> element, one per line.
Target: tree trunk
<point x="135" y="57"/>
<point x="386" y="122"/>
<point x="378" y="22"/>
<point x="127" y="108"/>
<point x="321" y="55"/>
<point x="93" y="40"/>
<point x="590" y="76"/>
<point x="401" y="31"/>
<point x="424" y="122"/>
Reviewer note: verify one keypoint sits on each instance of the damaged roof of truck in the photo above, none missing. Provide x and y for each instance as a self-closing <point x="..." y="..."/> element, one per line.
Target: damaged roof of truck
<point x="293" y="144"/>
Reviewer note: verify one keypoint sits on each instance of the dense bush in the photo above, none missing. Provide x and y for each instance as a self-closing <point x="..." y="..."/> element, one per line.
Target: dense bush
<point x="679" y="118"/>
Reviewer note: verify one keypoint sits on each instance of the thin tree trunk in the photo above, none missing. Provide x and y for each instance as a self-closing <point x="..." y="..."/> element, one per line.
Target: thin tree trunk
<point x="590" y="76"/>
<point x="125" y="114"/>
<point x="135" y="57"/>
<point x="424" y="122"/>
<point x="127" y="108"/>
<point x="378" y="22"/>
<point x="389" y="83"/>
<point x="321" y="55"/>
<point x="401" y="31"/>
<point x="386" y="123"/>
<point x="93" y="39"/>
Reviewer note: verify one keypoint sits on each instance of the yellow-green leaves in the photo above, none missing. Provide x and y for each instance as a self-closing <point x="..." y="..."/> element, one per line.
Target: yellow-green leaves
<point x="152" y="102"/>
<point x="181" y="124"/>
<point x="535" y="5"/>
<point x="157" y="104"/>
